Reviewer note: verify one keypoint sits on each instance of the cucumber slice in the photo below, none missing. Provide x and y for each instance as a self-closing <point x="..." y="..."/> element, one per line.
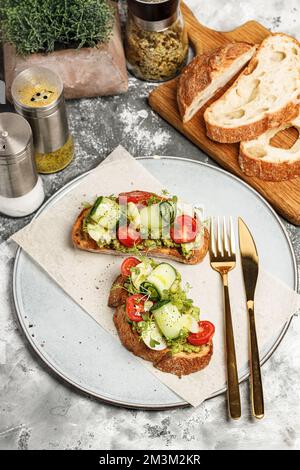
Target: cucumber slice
<point x="148" y="289"/>
<point x="159" y="305"/>
<point x="162" y="277"/>
<point x="133" y="215"/>
<point x="150" y="217"/>
<point x="167" y="212"/>
<point x="105" y="212"/>
<point x="95" y="208"/>
<point x="168" y="319"/>
<point x="153" y="338"/>
<point x="98" y="233"/>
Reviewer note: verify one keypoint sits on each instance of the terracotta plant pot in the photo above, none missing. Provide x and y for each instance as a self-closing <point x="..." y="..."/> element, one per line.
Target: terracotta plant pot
<point x="85" y="72"/>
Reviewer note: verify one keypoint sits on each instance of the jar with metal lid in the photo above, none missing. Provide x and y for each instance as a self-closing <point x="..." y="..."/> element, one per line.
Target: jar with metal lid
<point x="21" y="189"/>
<point x="156" y="41"/>
<point x="38" y="96"/>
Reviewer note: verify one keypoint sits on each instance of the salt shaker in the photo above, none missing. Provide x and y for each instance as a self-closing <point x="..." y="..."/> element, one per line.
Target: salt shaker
<point x="21" y="189"/>
<point x="38" y="96"/>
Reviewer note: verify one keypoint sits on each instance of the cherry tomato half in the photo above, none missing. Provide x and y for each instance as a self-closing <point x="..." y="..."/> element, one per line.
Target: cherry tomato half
<point x="135" y="307"/>
<point x="128" y="236"/>
<point x="138" y="197"/>
<point x="127" y="264"/>
<point x="184" y="229"/>
<point x="204" y="335"/>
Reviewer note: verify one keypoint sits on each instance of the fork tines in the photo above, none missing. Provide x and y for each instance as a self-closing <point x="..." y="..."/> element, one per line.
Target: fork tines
<point x="222" y="245"/>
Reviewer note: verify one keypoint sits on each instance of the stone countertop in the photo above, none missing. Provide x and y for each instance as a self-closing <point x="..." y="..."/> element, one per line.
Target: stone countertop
<point x="37" y="410"/>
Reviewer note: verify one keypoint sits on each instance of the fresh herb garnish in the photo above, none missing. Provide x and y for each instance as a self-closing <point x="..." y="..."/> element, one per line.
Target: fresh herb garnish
<point x="47" y="25"/>
<point x="154" y="200"/>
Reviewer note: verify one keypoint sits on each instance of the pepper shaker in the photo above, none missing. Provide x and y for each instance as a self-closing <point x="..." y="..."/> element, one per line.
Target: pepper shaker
<point x="38" y="96"/>
<point x="21" y="189"/>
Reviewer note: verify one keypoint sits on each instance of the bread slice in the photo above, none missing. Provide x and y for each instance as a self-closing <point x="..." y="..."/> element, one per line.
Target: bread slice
<point x="259" y="158"/>
<point x="82" y="241"/>
<point x="178" y="364"/>
<point x="117" y="294"/>
<point x="207" y="73"/>
<point x="264" y="96"/>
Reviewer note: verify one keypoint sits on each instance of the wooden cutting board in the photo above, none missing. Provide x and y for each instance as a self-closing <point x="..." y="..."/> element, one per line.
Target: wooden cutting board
<point x="283" y="196"/>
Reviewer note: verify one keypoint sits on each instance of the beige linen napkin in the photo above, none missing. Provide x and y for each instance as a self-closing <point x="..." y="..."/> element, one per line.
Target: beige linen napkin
<point x="47" y="240"/>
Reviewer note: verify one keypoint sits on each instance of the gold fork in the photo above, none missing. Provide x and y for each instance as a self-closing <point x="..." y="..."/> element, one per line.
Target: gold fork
<point x="222" y="260"/>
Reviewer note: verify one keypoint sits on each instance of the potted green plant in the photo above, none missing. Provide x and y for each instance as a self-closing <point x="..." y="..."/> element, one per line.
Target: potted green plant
<point x="79" y="39"/>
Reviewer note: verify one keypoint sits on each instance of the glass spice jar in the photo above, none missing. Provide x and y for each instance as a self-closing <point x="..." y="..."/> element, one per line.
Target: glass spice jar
<point x="38" y="96"/>
<point x="156" y="41"/>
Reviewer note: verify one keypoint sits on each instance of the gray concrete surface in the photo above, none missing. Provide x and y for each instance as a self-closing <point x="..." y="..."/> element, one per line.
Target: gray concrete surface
<point x="36" y="409"/>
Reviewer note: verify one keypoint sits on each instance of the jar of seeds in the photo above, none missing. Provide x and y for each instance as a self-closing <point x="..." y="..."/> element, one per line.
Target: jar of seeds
<point x="156" y="41"/>
<point x="38" y="96"/>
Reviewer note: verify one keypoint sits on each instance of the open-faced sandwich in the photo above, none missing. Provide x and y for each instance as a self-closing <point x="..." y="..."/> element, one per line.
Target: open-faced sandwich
<point x="156" y="320"/>
<point x="144" y="222"/>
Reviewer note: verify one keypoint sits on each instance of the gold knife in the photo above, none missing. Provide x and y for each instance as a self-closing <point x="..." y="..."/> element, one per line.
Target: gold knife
<point x="249" y="258"/>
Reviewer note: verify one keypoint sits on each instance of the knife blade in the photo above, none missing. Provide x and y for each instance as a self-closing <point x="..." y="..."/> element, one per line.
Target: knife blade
<point x="250" y="263"/>
<point x="249" y="258"/>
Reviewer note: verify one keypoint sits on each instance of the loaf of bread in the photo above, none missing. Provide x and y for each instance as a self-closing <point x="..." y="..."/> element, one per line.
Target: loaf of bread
<point x="264" y="96"/>
<point x="207" y="73"/>
<point x="259" y="158"/>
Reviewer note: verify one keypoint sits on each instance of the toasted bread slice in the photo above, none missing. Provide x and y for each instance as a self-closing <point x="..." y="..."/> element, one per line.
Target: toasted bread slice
<point x="178" y="364"/>
<point x="259" y="158"/>
<point x="118" y="294"/>
<point x="207" y="73"/>
<point x="264" y="96"/>
<point x="82" y="241"/>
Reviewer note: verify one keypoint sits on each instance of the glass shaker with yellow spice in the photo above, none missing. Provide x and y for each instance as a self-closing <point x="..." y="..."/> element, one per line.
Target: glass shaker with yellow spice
<point x="156" y="41"/>
<point x="38" y="96"/>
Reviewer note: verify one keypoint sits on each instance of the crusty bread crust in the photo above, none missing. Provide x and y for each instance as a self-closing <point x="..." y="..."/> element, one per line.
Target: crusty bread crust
<point x="117" y="294"/>
<point x="82" y="241"/>
<point x="178" y="364"/>
<point x="204" y="69"/>
<point x="185" y="364"/>
<point x="268" y="171"/>
<point x="261" y="159"/>
<point x="227" y="135"/>
<point x="254" y="128"/>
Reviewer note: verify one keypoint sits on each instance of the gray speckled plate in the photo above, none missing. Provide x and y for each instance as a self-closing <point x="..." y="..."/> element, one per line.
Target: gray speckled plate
<point x="79" y="350"/>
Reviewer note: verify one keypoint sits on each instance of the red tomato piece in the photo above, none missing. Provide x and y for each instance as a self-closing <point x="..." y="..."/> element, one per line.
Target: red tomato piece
<point x="138" y="197"/>
<point x="204" y="335"/>
<point x="127" y="264"/>
<point x="128" y="236"/>
<point x="184" y="229"/>
<point x="135" y="307"/>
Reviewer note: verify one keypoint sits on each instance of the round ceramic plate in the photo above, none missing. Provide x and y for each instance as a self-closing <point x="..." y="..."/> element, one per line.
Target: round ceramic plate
<point x="67" y="339"/>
